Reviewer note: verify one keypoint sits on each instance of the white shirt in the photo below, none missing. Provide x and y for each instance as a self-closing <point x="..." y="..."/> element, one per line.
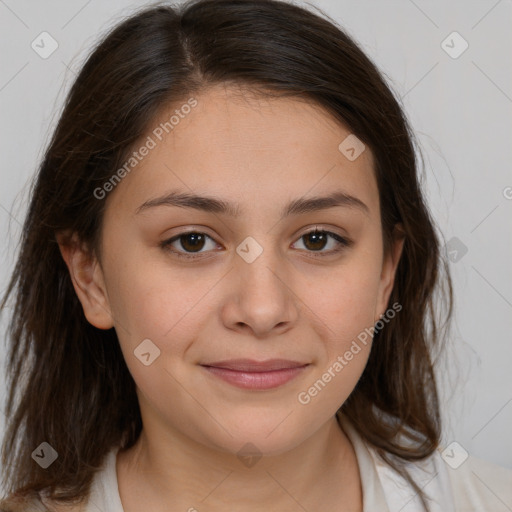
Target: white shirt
<point x="475" y="486"/>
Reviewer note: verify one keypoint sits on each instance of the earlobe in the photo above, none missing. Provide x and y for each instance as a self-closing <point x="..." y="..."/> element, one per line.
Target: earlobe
<point x="87" y="278"/>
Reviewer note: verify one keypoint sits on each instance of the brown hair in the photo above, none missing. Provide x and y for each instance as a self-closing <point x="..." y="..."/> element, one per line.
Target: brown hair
<point x="68" y="382"/>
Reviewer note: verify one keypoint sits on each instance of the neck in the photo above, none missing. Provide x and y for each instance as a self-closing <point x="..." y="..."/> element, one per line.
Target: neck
<point x="188" y="475"/>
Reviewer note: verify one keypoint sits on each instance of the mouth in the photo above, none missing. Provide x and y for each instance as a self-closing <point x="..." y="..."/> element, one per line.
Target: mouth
<point x="256" y="375"/>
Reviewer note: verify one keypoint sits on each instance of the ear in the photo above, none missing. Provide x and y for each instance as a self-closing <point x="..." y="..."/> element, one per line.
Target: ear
<point x="389" y="266"/>
<point x="87" y="278"/>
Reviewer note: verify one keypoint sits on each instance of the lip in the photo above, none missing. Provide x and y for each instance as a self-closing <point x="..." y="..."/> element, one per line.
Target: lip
<point x="251" y="374"/>
<point x="251" y="365"/>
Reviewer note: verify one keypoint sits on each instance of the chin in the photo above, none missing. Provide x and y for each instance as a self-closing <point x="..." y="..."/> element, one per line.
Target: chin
<point x="267" y="435"/>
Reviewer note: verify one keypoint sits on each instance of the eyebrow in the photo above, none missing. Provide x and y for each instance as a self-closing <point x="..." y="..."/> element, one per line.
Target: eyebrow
<point x="217" y="205"/>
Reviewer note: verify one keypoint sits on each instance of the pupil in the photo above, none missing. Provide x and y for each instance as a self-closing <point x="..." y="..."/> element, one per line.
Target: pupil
<point x="196" y="239"/>
<point x="318" y="239"/>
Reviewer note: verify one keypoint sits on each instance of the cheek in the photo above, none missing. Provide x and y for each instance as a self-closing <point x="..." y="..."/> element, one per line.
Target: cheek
<point x="345" y="301"/>
<point x="346" y="305"/>
<point x="160" y="326"/>
<point x="157" y="306"/>
<point x="168" y="306"/>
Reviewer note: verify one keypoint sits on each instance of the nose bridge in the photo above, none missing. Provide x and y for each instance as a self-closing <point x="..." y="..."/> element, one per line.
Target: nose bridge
<point x="258" y="264"/>
<point x="260" y="258"/>
<point x="263" y="299"/>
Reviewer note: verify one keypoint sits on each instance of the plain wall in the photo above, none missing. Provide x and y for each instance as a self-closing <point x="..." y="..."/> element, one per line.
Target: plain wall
<point x="460" y="109"/>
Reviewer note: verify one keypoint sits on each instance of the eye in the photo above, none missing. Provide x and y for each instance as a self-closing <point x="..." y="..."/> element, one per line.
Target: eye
<point x="192" y="242"/>
<point x="316" y="240"/>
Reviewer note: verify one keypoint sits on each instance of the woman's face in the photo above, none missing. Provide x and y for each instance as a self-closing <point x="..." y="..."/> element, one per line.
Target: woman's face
<point x="195" y="317"/>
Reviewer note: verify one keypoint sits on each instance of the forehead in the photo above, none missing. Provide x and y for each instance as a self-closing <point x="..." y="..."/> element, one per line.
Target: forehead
<point x="237" y="144"/>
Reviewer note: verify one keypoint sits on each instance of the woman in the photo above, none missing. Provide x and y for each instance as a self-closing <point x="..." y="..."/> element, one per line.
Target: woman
<point x="226" y="282"/>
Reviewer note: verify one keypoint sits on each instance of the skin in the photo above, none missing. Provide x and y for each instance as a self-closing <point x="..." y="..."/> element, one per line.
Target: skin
<point x="291" y="302"/>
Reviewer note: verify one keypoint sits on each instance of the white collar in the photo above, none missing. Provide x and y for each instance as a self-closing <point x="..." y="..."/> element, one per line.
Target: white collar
<point x="373" y="493"/>
<point x="385" y="490"/>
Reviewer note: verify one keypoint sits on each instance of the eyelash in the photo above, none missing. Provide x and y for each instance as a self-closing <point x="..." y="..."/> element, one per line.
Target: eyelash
<point x="343" y="243"/>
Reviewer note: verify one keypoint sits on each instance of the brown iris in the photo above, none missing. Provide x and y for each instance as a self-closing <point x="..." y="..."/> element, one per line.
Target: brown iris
<point x="317" y="238"/>
<point x="192" y="242"/>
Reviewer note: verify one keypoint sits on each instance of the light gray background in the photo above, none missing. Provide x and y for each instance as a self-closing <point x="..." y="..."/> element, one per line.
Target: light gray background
<point x="460" y="108"/>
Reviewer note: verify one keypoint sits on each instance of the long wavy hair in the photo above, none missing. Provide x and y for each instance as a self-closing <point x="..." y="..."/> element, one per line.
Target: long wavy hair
<point x="68" y="383"/>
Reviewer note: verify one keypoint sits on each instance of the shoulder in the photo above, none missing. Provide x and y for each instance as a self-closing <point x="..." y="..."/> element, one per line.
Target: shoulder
<point x="450" y="482"/>
<point x="35" y="504"/>
<point x="481" y="485"/>
<point x="18" y="504"/>
<point x="103" y="491"/>
<point x="473" y="486"/>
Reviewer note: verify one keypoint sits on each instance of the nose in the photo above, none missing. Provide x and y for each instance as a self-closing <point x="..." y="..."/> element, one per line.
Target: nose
<point x="260" y="297"/>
